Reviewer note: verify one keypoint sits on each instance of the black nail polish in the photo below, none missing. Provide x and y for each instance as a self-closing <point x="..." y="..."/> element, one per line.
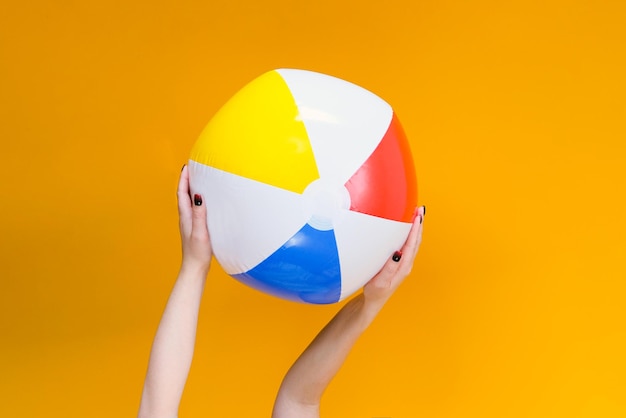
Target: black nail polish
<point x="181" y="170"/>
<point x="424" y="210"/>
<point x="421" y="219"/>
<point x="397" y="256"/>
<point x="197" y="200"/>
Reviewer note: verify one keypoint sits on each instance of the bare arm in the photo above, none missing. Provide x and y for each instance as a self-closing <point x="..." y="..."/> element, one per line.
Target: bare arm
<point x="173" y="346"/>
<point x="302" y="388"/>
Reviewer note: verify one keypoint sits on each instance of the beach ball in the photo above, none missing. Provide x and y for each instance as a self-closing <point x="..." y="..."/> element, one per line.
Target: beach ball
<point x="309" y="185"/>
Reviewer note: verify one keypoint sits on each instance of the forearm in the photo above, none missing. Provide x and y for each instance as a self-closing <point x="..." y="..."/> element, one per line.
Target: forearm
<point x="172" y="350"/>
<point x="307" y="379"/>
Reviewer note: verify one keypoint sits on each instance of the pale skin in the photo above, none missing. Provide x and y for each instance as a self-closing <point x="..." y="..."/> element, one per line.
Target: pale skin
<point x="302" y="388"/>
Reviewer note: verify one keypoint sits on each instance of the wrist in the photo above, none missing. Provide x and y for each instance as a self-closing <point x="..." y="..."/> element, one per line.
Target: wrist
<point x="194" y="268"/>
<point x="363" y="311"/>
<point x="372" y="306"/>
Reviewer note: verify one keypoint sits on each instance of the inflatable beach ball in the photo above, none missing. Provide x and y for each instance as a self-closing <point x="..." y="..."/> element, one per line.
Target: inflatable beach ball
<point x="309" y="185"/>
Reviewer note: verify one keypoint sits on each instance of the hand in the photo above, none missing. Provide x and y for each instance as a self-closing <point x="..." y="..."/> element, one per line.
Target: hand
<point x="381" y="287"/>
<point x="301" y="391"/>
<point x="194" y="233"/>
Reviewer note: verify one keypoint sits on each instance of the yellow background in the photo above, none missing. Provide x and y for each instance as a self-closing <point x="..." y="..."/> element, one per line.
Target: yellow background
<point x="516" y="111"/>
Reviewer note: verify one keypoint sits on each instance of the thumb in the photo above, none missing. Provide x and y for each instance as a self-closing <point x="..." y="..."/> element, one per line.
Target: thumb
<point x="198" y="214"/>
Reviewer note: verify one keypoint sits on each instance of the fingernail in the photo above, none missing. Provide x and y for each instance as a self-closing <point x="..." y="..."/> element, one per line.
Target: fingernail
<point x="197" y="200"/>
<point x="421" y="219"/>
<point x="424" y="210"/>
<point x="181" y="170"/>
<point x="397" y="256"/>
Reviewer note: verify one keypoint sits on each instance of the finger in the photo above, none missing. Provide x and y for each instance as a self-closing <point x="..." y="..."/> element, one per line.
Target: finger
<point x="421" y="230"/>
<point x="385" y="276"/>
<point x="184" y="201"/>
<point x="401" y="262"/>
<point x="412" y="243"/>
<point x="198" y="224"/>
<point x="414" y="238"/>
